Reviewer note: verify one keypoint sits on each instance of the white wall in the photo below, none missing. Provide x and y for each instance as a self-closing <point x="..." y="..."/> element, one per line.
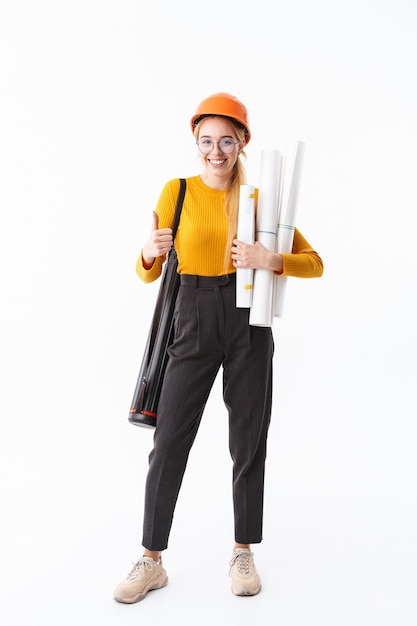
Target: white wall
<point x="95" y="101"/>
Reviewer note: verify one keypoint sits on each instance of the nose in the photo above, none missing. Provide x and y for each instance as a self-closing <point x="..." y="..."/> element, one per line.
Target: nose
<point x="216" y="147"/>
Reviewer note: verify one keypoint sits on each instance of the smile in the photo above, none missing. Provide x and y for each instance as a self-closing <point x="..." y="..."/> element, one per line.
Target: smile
<point x="217" y="161"/>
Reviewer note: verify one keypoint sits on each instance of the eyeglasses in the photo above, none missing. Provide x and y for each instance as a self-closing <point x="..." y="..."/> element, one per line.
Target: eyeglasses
<point x="225" y="145"/>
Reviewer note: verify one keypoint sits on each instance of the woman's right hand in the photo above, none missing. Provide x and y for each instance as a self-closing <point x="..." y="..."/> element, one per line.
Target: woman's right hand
<point x="160" y="242"/>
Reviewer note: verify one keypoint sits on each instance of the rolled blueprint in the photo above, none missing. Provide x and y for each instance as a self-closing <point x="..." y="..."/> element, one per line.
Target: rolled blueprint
<point x="261" y="313"/>
<point x="246" y="233"/>
<point x="286" y="225"/>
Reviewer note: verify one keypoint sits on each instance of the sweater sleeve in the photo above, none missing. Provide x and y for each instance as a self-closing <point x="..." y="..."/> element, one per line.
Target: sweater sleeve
<point x="303" y="262"/>
<point x="165" y="209"/>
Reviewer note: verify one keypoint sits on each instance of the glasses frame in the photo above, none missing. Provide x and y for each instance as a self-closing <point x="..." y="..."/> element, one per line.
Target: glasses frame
<point x="235" y="143"/>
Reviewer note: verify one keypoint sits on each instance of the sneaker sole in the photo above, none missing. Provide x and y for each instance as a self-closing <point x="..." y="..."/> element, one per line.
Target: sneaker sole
<point x="247" y="592"/>
<point x="157" y="584"/>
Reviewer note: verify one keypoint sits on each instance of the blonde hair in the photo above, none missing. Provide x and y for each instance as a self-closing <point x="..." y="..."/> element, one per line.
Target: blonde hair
<point x="231" y="205"/>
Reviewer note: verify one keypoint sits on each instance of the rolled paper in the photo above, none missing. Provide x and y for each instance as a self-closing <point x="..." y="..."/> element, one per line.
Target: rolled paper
<point x="261" y="313"/>
<point x="286" y="225"/>
<point x="246" y="233"/>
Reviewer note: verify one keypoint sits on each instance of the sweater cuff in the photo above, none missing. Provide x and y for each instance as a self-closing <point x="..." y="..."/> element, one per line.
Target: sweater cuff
<point x="151" y="274"/>
<point x="289" y="265"/>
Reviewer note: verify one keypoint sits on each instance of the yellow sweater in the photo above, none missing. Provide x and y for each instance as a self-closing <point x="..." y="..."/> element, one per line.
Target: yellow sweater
<point x="202" y="236"/>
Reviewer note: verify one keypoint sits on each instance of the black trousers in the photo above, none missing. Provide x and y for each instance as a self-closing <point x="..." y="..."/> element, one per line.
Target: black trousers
<point x="211" y="332"/>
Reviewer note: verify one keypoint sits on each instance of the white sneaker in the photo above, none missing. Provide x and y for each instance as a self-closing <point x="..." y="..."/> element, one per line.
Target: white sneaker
<point x="245" y="578"/>
<point x="146" y="575"/>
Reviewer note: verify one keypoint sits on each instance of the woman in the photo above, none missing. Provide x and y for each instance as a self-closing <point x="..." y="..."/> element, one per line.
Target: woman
<point x="210" y="331"/>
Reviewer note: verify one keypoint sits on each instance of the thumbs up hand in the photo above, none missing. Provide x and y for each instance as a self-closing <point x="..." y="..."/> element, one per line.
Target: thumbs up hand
<point x="160" y="242"/>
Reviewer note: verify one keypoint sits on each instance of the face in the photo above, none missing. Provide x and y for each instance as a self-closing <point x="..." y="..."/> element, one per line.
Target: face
<point x="218" y="165"/>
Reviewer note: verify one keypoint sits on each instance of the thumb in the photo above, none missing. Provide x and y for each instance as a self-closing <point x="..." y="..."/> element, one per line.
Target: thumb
<point x="155" y="220"/>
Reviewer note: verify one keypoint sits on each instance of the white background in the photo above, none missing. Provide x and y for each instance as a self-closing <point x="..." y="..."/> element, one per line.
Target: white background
<point x="95" y="102"/>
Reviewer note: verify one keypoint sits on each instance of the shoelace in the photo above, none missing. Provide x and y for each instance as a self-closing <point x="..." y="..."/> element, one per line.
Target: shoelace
<point x="138" y="569"/>
<point x="242" y="562"/>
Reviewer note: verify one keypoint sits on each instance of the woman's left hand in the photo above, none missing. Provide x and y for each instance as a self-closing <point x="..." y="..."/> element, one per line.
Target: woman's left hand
<point x="255" y="256"/>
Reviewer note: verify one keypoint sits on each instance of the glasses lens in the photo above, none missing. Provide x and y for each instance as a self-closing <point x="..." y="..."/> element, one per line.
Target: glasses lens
<point x="205" y="146"/>
<point x="227" y="146"/>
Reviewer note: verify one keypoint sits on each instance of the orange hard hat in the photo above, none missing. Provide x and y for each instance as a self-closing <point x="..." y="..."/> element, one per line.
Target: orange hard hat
<point x="226" y="105"/>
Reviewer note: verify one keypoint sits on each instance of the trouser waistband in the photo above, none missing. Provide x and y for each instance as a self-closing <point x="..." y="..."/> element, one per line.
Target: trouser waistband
<point x="191" y="280"/>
